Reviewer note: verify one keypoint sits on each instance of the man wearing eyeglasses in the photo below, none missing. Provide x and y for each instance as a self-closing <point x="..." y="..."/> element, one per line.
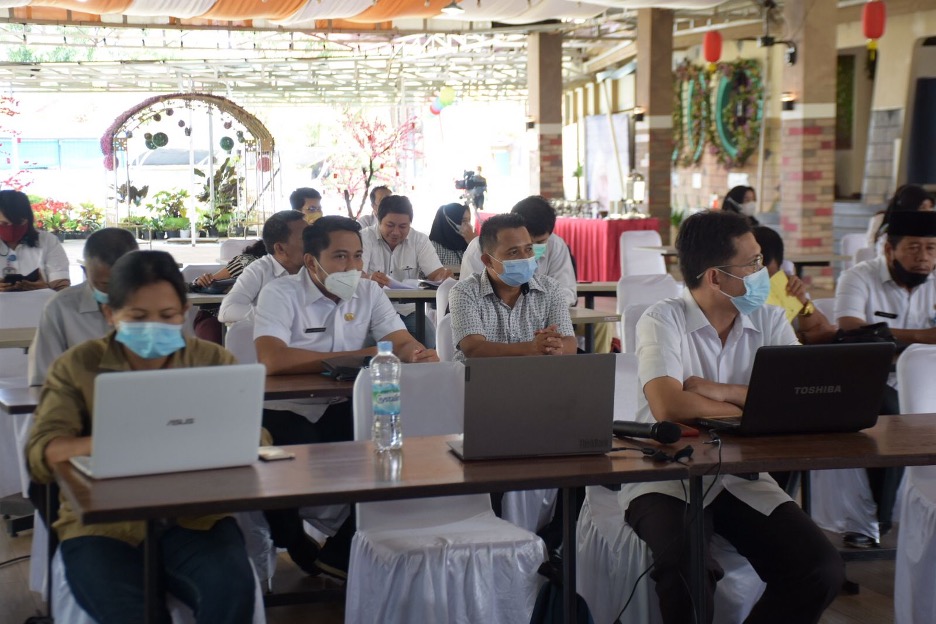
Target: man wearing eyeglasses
<point x="695" y="355"/>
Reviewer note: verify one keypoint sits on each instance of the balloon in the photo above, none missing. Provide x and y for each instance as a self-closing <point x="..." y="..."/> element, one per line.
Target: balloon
<point x="181" y="124"/>
<point x="148" y="136"/>
<point x="446" y="96"/>
<point x="157" y="117"/>
<point x="150" y="145"/>
<point x="434" y="110"/>
<point x="227" y="143"/>
<point x="160" y="139"/>
<point x="264" y="163"/>
<point x="169" y="111"/>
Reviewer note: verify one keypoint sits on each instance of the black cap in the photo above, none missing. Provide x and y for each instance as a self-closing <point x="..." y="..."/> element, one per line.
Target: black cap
<point x="912" y="224"/>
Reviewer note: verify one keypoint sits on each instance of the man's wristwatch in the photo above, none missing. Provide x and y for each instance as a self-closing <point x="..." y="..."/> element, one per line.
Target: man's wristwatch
<point x="808" y="309"/>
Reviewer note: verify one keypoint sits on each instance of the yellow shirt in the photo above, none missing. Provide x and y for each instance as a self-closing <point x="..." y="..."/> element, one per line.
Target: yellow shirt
<point x="65" y="408"/>
<point x="779" y="297"/>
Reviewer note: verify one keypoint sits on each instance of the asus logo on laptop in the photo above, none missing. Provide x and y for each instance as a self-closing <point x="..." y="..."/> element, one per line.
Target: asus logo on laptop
<point x="817" y="389"/>
<point x="586" y="443"/>
<point x="175" y="422"/>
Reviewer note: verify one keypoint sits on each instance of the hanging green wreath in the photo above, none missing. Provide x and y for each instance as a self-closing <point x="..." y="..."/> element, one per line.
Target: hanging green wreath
<point x="692" y="112"/>
<point x="735" y="127"/>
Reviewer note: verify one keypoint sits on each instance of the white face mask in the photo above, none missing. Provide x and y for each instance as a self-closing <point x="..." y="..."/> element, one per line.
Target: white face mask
<point x="342" y="284"/>
<point x="749" y="208"/>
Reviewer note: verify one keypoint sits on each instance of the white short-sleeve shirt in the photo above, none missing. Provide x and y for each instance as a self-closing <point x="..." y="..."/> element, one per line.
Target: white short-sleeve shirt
<point x="556" y="263"/>
<point x="414" y="256"/>
<point x="48" y="256"/>
<point x="675" y="339"/>
<point x="239" y="303"/>
<point x="294" y="310"/>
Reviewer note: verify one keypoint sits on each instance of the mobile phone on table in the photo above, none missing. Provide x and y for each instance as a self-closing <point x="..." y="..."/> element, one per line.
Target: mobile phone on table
<point x="274" y="453"/>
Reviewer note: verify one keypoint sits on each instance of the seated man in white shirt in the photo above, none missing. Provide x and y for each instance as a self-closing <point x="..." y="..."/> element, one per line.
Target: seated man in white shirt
<point x="326" y="310"/>
<point x="506" y="310"/>
<point x="377" y="195"/>
<point x="282" y="236"/>
<point x="695" y="355"/>
<point x="392" y="249"/>
<point x="74" y="315"/>
<point x="308" y="201"/>
<point x="899" y="289"/>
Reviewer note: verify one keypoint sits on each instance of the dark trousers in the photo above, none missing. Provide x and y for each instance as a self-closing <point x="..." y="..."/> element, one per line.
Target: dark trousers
<point x="335" y="425"/>
<point x="802" y="569"/>
<point x="884" y="482"/>
<point x="207" y="570"/>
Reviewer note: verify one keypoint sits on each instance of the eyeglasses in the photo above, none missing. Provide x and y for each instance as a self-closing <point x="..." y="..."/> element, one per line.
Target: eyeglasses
<point x="755" y="265"/>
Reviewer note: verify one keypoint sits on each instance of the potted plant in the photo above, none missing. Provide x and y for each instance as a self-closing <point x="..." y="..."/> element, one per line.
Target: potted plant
<point x="90" y="218"/>
<point x="157" y="231"/>
<point x="136" y="224"/>
<point x="51" y="215"/>
<point x="177" y="227"/>
<point x="676" y="218"/>
<point x="578" y="174"/>
<point x="168" y="208"/>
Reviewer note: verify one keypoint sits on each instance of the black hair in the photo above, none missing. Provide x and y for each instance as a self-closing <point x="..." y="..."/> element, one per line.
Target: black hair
<point x="257" y="250"/>
<point x="377" y="189"/>
<point x="492" y="227"/>
<point x="109" y="245"/>
<point x="394" y="204"/>
<point x="276" y="228"/>
<point x="707" y="239"/>
<point x="907" y="198"/>
<point x="317" y="237"/>
<point x="15" y="207"/>
<point x="735" y="199"/>
<point x="538" y="215"/>
<point x="297" y="198"/>
<point x="771" y="245"/>
<point x="142" y="268"/>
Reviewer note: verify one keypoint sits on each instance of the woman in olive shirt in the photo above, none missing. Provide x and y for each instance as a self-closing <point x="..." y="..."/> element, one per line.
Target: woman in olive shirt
<point x="204" y="560"/>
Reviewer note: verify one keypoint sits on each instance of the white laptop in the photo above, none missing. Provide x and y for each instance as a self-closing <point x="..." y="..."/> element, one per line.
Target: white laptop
<point x="173" y="420"/>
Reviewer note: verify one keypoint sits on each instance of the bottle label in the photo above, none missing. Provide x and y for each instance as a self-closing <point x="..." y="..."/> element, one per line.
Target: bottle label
<point x="386" y="399"/>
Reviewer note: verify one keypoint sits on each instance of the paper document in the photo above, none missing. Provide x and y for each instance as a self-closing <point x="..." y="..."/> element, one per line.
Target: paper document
<point x="409" y="284"/>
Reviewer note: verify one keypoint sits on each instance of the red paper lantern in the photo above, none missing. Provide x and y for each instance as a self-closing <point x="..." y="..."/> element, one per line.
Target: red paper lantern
<point x="711" y="46"/>
<point x="264" y="163"/>
<point x="873" y="17"/>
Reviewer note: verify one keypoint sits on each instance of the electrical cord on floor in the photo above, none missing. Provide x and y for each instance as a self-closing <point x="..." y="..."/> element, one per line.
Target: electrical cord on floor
<point x="13" y="560"/>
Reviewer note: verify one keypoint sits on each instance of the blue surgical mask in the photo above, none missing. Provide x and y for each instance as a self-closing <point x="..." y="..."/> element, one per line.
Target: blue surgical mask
<point x="517" y="272"/>
<point x="756" y="291"/>
<point x="150" y="340"/>
<point x="539" y="250"/>
<point x="99" y="296"/>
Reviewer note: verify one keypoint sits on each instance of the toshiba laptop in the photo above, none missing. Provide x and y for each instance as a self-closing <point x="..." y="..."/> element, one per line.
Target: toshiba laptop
<point x="531" y="406"/>
<point x="812" y="389"/>
<point x="173" y="420"/>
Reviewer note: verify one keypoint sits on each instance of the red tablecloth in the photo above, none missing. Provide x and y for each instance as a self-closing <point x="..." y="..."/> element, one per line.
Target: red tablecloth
<point x="595" y="243"/>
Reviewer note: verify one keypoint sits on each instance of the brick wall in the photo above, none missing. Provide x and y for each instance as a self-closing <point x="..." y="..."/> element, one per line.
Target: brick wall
<point x="547" y="165"/>
<point x="884" y="128"/>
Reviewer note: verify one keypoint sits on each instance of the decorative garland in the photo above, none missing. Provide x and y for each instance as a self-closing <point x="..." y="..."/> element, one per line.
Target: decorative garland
<point x="692" y="112"/>
<point x="723" y="108"/>
<point x="734" y="131"/>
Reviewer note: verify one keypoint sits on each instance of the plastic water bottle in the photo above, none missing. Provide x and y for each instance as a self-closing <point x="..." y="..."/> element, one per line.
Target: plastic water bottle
<point x="385" y="377"/>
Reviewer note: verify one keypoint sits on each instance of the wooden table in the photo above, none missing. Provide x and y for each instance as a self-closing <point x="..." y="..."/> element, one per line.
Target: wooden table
<point x="419" y="296"/>
<point x="590" y="290"/>
<point x="907" y="440"/>
<point x="200" y="299"/>
<point x="343" y="473"/>
<point x="584" y="316"/>
<point x="19" y="400"/>
<point x="17" y="337"/>
<point x="799" y="260"/>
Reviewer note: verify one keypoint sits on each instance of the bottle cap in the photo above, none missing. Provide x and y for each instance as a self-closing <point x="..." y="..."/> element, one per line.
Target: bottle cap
<point x="385" y="346"/>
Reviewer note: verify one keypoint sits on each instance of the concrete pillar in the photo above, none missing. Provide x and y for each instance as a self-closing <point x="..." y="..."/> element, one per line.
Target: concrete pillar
<point x="654" y="135"/>
<point x="807" y="172"/>
<point x="544" y="83"/>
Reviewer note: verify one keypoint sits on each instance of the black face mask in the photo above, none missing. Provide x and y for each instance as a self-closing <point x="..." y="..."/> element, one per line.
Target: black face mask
<point x="907" y="278"/>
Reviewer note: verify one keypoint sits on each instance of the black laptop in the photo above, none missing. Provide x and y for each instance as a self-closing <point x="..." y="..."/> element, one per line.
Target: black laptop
<point x="812" y="389"/>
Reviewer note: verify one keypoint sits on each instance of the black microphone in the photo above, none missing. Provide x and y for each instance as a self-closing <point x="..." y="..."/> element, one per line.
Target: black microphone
<point x="663" y="432"/>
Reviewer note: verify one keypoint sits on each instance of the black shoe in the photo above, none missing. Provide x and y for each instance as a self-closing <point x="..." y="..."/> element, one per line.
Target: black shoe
<point x="304" y="553"/>
<point x="335" y="555"/>
<point x="858" y="540"/>
<point x="885" y="527"/>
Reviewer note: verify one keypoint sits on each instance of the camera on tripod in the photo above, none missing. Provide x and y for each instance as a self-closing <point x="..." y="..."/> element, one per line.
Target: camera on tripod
<point x="469" y="182"/>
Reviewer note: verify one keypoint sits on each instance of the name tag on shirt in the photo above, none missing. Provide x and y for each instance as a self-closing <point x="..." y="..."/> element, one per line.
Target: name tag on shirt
<point x="314" y="330"/>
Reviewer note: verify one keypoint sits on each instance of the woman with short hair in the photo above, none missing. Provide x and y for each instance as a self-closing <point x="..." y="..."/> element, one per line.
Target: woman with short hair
<point x="29" y="258"/>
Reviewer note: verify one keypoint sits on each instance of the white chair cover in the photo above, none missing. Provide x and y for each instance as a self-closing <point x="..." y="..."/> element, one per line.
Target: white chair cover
<point x="842" y="502"/>
<point x="864" y="254"/>
<point x="611" y="557"/>
<point x="475" y="566"/>
<point x="915" y="566"/>
<point x="66" y="609"/>
<point x="638" y="262"/>
<point x="851" y="243"/>
<point x="442" y="301"/>
<point x="629" y="318"/>
<point x="239" y="340"/>
<point x="445" y="340"/>
<point x="642" y="289"/>
<point x="234" y="247"/>
<point x="827" y="307"/>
